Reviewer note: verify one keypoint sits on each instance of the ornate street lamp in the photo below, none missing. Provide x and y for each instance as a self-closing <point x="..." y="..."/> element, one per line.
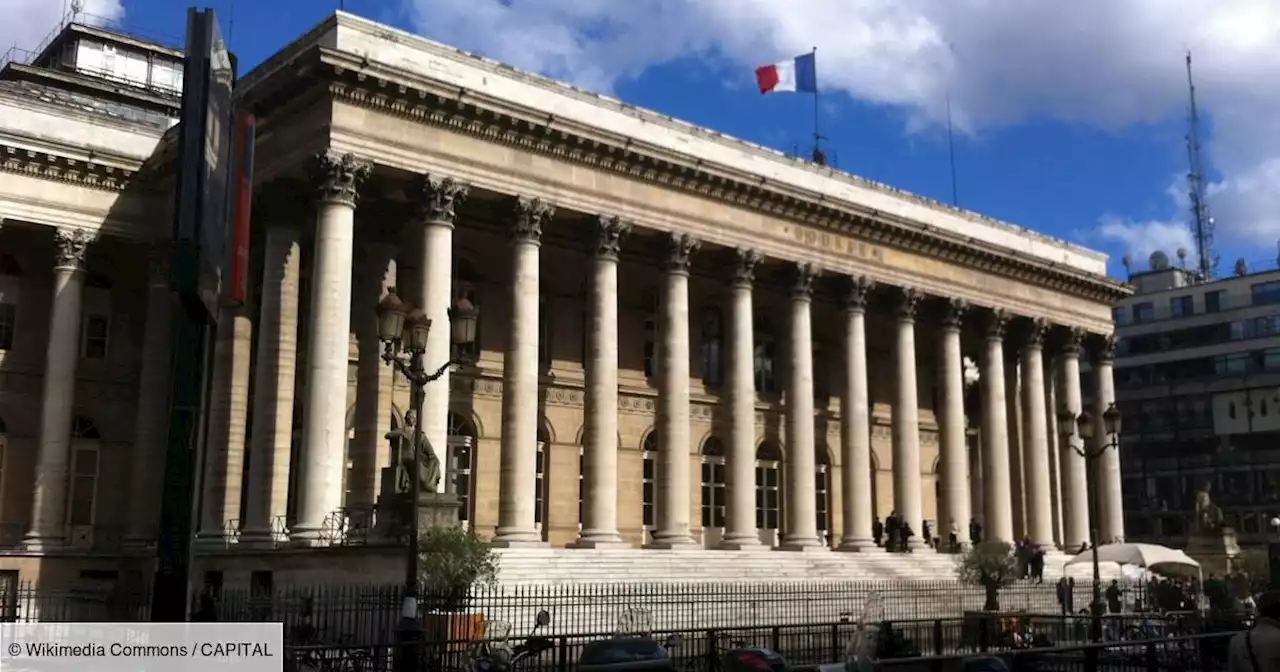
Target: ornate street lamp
<point x="403" y="329"/>
<point x="1086" y="427"/>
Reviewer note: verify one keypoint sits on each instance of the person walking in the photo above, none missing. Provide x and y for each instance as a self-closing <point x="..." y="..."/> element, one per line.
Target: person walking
<point x="1258" y="649"/>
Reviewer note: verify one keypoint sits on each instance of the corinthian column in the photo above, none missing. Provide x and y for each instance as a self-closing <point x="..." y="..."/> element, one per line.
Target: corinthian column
<point x="1035" y="438"/>
<point x="1075" y="485"/>
<point x="271" y="437"/>
<point x="855" y="425"/>
<point x="152" y="423"/>
<point x="600" y="437"/>
<point x="228" y="415"/>
<point x="740" y="516"/>
<point x="49" y="496"/>
<point x="324" y="420"/>
<point x="997" y="504"/>
<point x="377" y="273"/>
<point x="954" y="460"/>
<point x="801" y="521"/>
<point x="1013" y="416"/>
<point x="673" y="399"/>
<point x="1107" y="465"/>
<point x="517" y="472"/>
<point x="431" y="289"/>
<point x="906" y="420"/>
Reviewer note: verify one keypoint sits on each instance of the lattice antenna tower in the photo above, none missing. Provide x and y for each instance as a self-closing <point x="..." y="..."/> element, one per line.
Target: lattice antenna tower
<point x="1201" y="221"/>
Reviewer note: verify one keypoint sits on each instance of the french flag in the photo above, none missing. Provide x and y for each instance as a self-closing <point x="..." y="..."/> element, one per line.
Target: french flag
<point x="799" y="74"/>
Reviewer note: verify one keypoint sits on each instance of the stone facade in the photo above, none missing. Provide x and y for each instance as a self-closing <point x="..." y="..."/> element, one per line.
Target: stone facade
<point x="683" y="339"/>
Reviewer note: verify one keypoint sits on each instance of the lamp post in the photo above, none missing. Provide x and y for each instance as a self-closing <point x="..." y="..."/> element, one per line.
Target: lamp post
<point x="1085" y="425"/>
<point x="404" y="330"/>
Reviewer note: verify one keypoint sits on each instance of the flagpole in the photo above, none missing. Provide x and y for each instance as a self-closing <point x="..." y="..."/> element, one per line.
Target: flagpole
<point x="951" y="152"/>
<point x="818" y="157"/>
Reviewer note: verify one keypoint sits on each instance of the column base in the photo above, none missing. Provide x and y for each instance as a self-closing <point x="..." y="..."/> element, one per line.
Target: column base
<point x="517" y="538"/>
<point x="859" y="546"/>
<point x="803" y="547"/>
<point x="212" y="542"/>
<point x="260" y="539"/>
<point x="741" y="545"/>
<point x="681" y="544"/>
<point x="36" y="542"/>
<point x="587" y="544"/>
<point x="919" y="546"/>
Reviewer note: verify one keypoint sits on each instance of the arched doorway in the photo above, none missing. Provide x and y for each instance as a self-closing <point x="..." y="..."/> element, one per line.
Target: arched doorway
<point x="822" y="491"/>
<point x="714" y="491"/>
<point x="768" y="492"/>
<point x="649" y="485"/>
<point x="540" y="480"/>
<point x="82" y="498"/>
<point x="462" y="439"/>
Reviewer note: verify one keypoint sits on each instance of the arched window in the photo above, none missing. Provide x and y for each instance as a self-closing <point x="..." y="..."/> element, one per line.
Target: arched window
<point x="652" y="363"/>
<point x="83" y="498"/>
<point x="822" y="490"/>
<point x="712" y="345"/>
<point x="649" y="486"/>
<point x="768" y="484"/>
<point x="540" y="478"/>
<point x="462" y="441"/>
<point x="10" y="288"/>
<point x="466" y="284"/>
<point x="95" y="331"/>
<point x="765" y="356"/>
<point x="714" y="480"/>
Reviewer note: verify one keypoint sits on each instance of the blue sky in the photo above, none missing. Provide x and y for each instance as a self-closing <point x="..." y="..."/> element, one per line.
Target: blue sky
<point x="1068" y="120"/>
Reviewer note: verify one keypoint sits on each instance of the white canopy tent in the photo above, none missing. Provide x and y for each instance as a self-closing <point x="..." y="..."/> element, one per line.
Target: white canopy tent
<point x="1146" y="556"/>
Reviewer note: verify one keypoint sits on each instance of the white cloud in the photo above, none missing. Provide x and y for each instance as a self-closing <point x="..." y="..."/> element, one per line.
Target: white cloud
<point x="27" y="23"/>
<point x="1106" y="63"/>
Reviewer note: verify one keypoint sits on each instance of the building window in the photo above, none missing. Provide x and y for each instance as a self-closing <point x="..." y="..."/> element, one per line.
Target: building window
<point x="1265" y="293"/>
<point x="822" y="490"/>
<point x="649" y="486"/>
<point x="1181" y="306"/>
<point x="10" y="280"/>
<point x="1144" y="312"/>
<point x="712" y="344"/>
<point x="1215" y="301"/>
<point x="95" y="329"/>
<point x="652" y="364"/>
<point x="462" y="443"/>
<point x="84" y="472"/>
<point x="765" y="356"/>
<point x="714" y="480"/>
<point x="540" y="481"/>
<point x="768" y="477"/>
<point x="466" y="285"/>
<point x="544" y="333"/>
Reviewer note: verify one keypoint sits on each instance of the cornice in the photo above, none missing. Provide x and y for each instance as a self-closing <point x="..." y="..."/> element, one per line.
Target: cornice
<point x="399" y="93"/>
<point x="63" y="169"/>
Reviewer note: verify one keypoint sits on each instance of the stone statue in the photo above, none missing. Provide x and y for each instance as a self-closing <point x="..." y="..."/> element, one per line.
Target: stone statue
<point x="402" y="447"/>
<point x="1208" y="515"/>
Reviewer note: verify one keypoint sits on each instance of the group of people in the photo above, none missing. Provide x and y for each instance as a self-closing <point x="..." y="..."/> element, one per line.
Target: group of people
<point x="1030" y="559"/>
<point x="898" y="531"/>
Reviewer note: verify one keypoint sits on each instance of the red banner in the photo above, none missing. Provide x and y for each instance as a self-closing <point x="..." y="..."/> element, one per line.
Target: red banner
<point x="242" y="183"/>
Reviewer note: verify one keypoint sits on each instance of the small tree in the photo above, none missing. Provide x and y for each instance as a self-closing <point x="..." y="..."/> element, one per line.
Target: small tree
<point x="454" y="562"/>
<point x="989" y="564"/>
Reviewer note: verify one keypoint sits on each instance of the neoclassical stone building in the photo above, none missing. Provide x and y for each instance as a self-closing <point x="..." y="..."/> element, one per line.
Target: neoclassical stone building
<point x="684" y="339"/>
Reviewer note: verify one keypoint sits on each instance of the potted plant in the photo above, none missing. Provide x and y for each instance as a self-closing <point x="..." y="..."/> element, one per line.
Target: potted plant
<point x="990" y="565"/>
<point x="454" y="562"/>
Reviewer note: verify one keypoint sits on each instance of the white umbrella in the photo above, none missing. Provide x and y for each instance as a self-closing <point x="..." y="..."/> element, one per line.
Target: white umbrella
<point x="1147" y="556"/>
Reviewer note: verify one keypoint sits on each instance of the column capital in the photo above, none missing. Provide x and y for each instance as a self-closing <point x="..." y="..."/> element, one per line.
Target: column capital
<point x="953" y="312"/>
<point x="907" y="303"/>
<point x="745" y="261"/>
<point x="531" y="214"/>
<point x="1034" y="332"/>
<point x="436" y="196"/>
<point x="1103" y="347"/>
<point x="1073" y="341"/>
<point x="857" y="292"/>
<point x="610" y="230"/>
<point x="70" y="248"/>
<point x="159" y="258"/>
<point x="338" y="177"/>
<point x="805" y="273"/>
<point x="680" y="250"/>
<point x="997" y="323"/>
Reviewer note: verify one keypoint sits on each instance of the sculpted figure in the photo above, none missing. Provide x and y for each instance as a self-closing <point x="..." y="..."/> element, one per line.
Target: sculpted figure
<point x="402" y="447"/>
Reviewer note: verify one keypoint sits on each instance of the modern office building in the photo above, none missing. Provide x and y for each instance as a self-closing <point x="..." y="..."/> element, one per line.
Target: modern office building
<point x="1198" y="380"/>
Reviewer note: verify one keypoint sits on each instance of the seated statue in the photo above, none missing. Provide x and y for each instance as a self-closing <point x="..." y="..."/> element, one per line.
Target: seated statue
<point x="1208" y="517"/>
<point x="402" y="450"/>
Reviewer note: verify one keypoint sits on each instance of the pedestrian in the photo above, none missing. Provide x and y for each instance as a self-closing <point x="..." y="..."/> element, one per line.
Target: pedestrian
<point x="877" y="531"/>
<point x="975" y="531"/>
<point x="1113" y="597"/>
<point x="1071" y="595"/>
<point x="953" y="539"/>
<point x="1258" y="649"/>
<point x="1062" y="596"/>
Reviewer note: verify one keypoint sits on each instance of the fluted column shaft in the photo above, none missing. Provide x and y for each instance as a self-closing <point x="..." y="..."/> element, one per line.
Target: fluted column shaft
<point x="855" y="426"/>
<point x="271" y="436"/>
<point x="673" y="399"/>
<point x="1035" y="439"/>
<point x="600" y="436"/>
<point x="997" y="505"/>
<point x="1107" y="473"/>
<point x="227" y="426"/>
<point x="801" y="519"/>
<point x="152" y="423"/>
<point x="1075" y="484"/>
<point x="1013" y="416"/>
<point x="377" y="272"/>
<point x="49" y="496"/>
<point x="906" y="420"/>
<point x="517" y="472"/>
<point x="1055" y="461"/>
<point x="954" y="456"/>
<point x="740" y="530"/>
<point x="324" y="420"/>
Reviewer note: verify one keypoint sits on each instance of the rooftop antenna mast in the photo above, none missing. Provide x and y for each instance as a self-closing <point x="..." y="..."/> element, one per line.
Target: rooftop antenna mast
<point x="1201" y="220"/>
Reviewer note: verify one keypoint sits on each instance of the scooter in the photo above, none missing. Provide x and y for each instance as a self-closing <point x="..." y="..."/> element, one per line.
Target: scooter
<point x="632" y="648"/>
<point x="496" y="656"/>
